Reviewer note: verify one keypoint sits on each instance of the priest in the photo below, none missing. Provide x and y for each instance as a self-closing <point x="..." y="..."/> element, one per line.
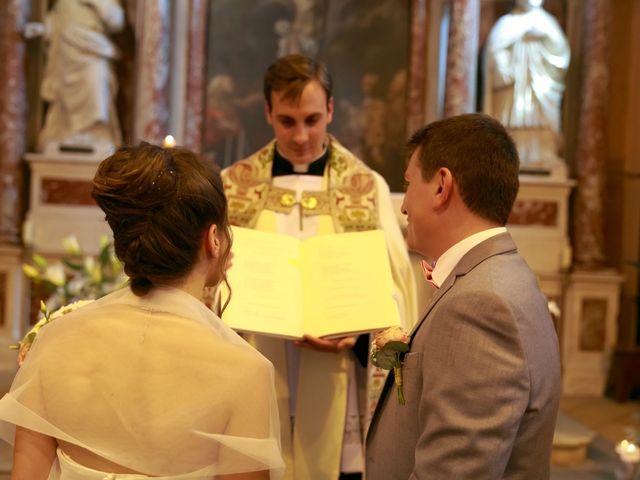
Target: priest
<point x="305" y="183"/>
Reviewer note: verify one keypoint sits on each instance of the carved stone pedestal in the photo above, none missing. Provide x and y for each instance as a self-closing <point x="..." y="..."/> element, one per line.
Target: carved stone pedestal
<point x="587" y="301"/>
<point x="538" y="223"/>
<point x="589" y="331"/>
<point x="61" y="203"/>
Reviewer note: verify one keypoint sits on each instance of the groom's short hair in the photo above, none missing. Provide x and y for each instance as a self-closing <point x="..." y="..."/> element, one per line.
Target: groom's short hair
<point x="481" y="156"/>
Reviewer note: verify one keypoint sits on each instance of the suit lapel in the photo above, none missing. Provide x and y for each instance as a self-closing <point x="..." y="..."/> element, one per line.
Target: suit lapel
<point x="437" y="295"/>
<point x="497" y="245"/>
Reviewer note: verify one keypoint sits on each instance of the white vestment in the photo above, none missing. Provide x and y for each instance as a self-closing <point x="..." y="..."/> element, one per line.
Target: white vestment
<point x="312" y="387"/>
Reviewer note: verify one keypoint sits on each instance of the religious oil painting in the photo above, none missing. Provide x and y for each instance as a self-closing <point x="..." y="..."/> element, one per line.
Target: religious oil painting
<point x="365" y="45"/>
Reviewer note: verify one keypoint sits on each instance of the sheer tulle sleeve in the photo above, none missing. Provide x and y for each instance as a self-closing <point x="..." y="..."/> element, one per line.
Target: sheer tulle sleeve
<point x="156" y="384"/>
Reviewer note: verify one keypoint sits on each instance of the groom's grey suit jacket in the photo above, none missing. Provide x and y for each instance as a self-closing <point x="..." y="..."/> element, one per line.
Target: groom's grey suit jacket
<point x="481" y="379"/>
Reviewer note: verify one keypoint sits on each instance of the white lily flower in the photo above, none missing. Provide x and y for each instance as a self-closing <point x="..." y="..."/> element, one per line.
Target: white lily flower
<point x="93" y="270"/>
<point x="96" y="274"/>
<point x="71" y="245"/>
<point x="55" y="274"/>
<point x="89" y="264"/>
<point x="75" y="286"/>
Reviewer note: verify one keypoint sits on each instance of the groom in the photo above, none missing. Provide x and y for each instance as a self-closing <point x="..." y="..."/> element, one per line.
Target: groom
<point x="482" y="377"/>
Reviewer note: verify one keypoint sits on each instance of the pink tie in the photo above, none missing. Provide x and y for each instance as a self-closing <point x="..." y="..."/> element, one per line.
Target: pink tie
<point x="427" y="269"/>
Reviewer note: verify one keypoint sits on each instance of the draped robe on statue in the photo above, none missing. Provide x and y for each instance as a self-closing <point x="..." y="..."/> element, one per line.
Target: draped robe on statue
<point x="318" y="389"/>
<point x="526" y="59"/>
<point x="79" y="81"/>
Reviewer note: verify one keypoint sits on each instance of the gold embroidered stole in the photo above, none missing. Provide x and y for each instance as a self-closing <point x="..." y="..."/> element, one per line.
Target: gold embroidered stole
<point x="350" y="199"/>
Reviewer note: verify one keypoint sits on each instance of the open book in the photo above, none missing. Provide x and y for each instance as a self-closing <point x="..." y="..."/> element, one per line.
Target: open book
<point x="325" y="286"/>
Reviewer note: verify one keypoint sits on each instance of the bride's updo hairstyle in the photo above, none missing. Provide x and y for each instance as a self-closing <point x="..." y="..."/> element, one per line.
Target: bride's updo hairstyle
<point x="160" y="202"/>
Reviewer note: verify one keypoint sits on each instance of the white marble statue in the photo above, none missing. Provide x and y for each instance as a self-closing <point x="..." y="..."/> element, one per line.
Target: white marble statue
<point x="79" y="83"/>
<point x="526" y="59"/>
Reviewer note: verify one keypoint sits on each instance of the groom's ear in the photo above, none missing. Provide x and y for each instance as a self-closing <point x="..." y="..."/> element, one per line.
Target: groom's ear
<point x="444" y="187"/>
<point x="212" y="242"/>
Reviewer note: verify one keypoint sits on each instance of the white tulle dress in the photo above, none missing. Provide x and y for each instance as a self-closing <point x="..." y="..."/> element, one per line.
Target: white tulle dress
<point x="157" y="384"/>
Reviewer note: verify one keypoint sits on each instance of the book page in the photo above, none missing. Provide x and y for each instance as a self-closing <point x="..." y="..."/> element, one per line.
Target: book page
<point x="265" y="284"/>
<point x="328" y="285"/>
<point x="348" y="285"/>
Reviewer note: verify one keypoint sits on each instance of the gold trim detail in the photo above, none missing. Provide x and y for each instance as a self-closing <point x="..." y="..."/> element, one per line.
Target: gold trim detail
<point x="350" y="199"/>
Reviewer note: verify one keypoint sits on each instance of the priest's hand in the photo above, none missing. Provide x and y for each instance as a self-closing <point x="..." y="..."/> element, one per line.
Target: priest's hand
<point x="334" y="345"/>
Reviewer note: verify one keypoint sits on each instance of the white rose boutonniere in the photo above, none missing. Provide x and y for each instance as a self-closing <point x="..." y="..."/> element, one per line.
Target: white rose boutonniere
<point x="387" y="352"/>
<point x="24" y="345"/>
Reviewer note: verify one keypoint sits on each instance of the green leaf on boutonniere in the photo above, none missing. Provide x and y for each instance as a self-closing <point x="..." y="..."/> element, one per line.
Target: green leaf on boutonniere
<point x="396" y="346"/>
<point x="388" y="356"/>
<point x="385" y="359"/>
<point x="387" y="351"/>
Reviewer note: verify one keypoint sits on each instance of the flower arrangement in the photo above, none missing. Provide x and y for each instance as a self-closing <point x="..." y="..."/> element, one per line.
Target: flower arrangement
<point x="71" y="282"/>
<point x="77" y="276"/>
<point x="387" y="352"/>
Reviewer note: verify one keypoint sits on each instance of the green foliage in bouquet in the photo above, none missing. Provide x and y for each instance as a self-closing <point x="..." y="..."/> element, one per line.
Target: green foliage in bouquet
<point x="24" y="345"/>
<point x="77" y="276"/>
<point x="71" y="283"/>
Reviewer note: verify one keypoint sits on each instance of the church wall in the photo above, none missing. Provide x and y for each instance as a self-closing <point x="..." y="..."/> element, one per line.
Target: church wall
<point x="622" y="197"/>
<point x="622" y="217"/>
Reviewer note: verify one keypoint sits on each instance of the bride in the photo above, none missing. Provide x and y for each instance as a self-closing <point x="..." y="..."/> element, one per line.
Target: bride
<point x="147" y="381"/>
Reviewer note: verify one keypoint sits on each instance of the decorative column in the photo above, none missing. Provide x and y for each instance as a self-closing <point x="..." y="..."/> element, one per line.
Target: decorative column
<point x="462" y="54"/>
<point x="194" y="111"/>
<point x="590" y="152"/>
<point x="417" y="83"/>
<point x="152" y="90"/>
<point x="13" y="111"/>
<point x="590" y="313"/>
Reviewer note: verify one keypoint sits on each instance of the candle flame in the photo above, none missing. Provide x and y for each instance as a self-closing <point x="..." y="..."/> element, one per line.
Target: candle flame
<point x="169" y="142"/>
<point x="628" y="451"/>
